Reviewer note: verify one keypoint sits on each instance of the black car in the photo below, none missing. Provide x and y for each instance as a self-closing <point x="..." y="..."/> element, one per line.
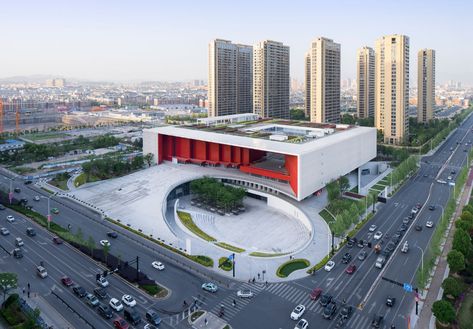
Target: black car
<point x="360" y="244"/>
<point x="132" y="316"/>
<point x="325" y="299"/>
<point x="153" y="317"/>
<point x="24" y="201"/>
<point x="346" y="311"/>
<point x="377" y="320"/>
<point x="418" y="227"/>
<point x="432" y="207"/>
<point x="17" y="190"/>
<point x="112" y="234"/>
<point x="390" y="301"/>
<point x="411" y="215"/>
<point x="395" y="239"/>
<point x="28" y="182"/>
<point x="390" y="247"/>
<point x="100" y="293"/>
<point x="105" y="311"/>
<point x="346" y="258"/>
<point x="350" y="244"/>
<point x="79" y="291"/>
<point x="403" y="227"/>
<point x="30" y="231"/>
<point x="330" y="310"/>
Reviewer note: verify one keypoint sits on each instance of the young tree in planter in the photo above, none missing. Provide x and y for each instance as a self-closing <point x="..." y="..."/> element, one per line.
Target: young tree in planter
<point x="344" y="183"/>
<point x="91" y="245"/>
<point x="443" y="311"/>
<point x="8" y="281"/>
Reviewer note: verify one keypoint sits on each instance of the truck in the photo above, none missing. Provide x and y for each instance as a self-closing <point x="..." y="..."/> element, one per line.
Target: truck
<point x="380" y="261"/>
<point x="405" y="247"/>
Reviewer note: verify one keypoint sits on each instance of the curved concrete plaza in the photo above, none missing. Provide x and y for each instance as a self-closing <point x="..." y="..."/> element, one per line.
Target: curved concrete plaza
<point x="279" y="226"/>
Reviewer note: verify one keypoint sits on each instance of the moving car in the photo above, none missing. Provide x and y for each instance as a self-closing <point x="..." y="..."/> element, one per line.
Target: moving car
<point x="245" y="293"/>
<point x="330" y="310"/>
<point x="153" y="317"/>
<point x="55" y="211"/>
<point x="102" y="282"/>
<point x="325" y="299"/>
<point x="112" y="235"/>
<point x="432" y="207"/>
<point x="19" y="242"/>
<point x="100" y="293"/>
<point x="36" y="198"/>
<point x="210" y="287"/>
<point x="362" y="255"/>
<point x="67" y="281"/>
<point x="41" y="272"/>
<point x="128" y="300"/>
<point x="158" y="265"/>
<point x="4" y="231"/>
<point x="329" y="266"/>
<point x="17" y="190"/>
<point x="350" y="243"/>
<point x="377" y="320"/>
<point x="302" y="324"/>
<point x="120" y="323"/>
<point x="390" y="301"/>
<point x="360" y="244"/>
<point x="346" y="311"/>
<point x="315" y="294"/>
<point x="429" y="224"/>
<point x="28" y="182"/>
<point x="91" y="300"/>
<point x="105" y="243"/>
<point x="104" y="311"/>
<point x="418" y="228"/>
<point x="10" y="219"/>
<point x="351" y="269"/>
<point x="372" y="228"/>
<point x="17" y="253"/>
<point x="116" y="304"/>
<point x="405" y="247"/>
<point x="297" y="312"/>
<point x="378" y="235"/>
<point x="346" y="258"/>
<point x="30" y="231"/>
<point x="79" y="291"/>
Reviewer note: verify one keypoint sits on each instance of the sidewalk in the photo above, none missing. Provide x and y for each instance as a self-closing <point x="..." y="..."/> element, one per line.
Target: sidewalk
<point x="49" y="314"/>
<point x="426" y="318"/>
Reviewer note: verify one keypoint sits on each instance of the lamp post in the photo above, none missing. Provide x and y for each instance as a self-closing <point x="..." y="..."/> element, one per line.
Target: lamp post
<point x="49" y="210"/>
<point x="10" y="194"/>
<point x="422" y="262"/>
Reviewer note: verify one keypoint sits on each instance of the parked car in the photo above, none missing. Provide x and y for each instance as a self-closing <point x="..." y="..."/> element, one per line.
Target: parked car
<point x="297" y="312"/>
<point x="350" y="244"/>
<point x="116" y="304"/>
<point x="330" y="310"/>
<point x="104" y="311"/>
<point x="128" y="300"/>
<point x="153" y="317"/>
<point x="329" y="266"/>
<point x="57" y="240"/>
<point x="210" y="287"/>
<point x="315" y="294"/>
<point x="245" y="293"/>
<point x="67" y="281"/>
<point x="158" y="265"/>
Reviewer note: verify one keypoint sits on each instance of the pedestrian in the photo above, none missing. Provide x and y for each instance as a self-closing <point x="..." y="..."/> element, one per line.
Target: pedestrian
<point x="254" y="280"/>
<point x="205" y="321"/>
<point x="24" y="290"/>
<point x="28" y="294"/>
<point x="258" y="276"/>
<point x="234" y="303"/>
<point x="265" y="283"/>
<point x="28" y="286"/>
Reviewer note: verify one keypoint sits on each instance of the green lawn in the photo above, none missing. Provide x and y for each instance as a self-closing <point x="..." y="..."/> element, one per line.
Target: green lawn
<point x="326" y="216"/>
<point x="60" y="183"/>
<point x="465" y="314"/>
<point x="265" y="254"/>
<point x="225" y="264"/>
<point x="186" y="219"/>
<point x="43" y="136"/>
<point x="230" y="247"/>
<point x="293" y="265"/>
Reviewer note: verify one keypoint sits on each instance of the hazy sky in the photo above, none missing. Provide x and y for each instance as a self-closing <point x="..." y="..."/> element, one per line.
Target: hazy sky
<point x="167" y="40"/>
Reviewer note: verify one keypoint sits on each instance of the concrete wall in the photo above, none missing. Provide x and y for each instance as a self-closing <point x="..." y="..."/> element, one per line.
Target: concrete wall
<point x="150" y="144"/>
<point x="320" y="167"/>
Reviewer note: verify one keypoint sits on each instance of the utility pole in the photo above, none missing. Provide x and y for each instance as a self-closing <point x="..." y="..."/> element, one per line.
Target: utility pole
<point x="233" y="264"/>
<point x="137" y="268"/>
<point x="333" y="238"/>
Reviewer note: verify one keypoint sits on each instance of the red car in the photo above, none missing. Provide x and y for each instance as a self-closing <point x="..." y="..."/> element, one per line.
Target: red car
<point x="419" y="205"/>
<point x="67" y="281"/>
<point x="315" y="294"/>
<point x="119" y="323"/>
<point x="57" y="240"/>
<point x="351" y="269"/>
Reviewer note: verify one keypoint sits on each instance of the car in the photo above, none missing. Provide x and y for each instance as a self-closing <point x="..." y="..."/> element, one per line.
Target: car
<point x="210" y="287"/>
<point x="28" y="182"/>
<point x="100" y="293"/>
<point x="429" y="224"/>
<point x="41" y="272"/>
<point x="17" y="190"/>
<point x="396" y="238"/>
<point x="149" y="326"/>
<point x="350" y="244"/>
<point x="418" y="228"/>
<point x="414" y="210"/>
<point x="465" y="150"/>
<point x="102" y="282"/>
<point x="346" y="311"/>
<point x="79" y="291"/>
<point x="297" y="312"/>
<point x="120" y="323"/>
<point x="2" y="207"/>
<point x="419" y="205"/>
<point x="132" y="316"/>
<point x="390" y="247"/>
<point x="360" y="244"/>
<point x="57" y="240"/>
<point x="449" y="178"/>
<point x="55" y="211"/>
<point x="411" y="216"/>
<point x="302" y="324"/>
<point x="153" y="317"/>
<point x="158" y="265"/>
<point x="91" y="300"/>
<point x="4" y="231"/>
<point x="315" y="294"/>
<point x="329" y="266"/>
<point x="30" y="231"/>
<point x="36" y="198"/>
<point x="377" y="320"/>
<point x="112" y="235"/>
<point x="246" y="293"/>
<point x="325" y="299"/>
<point x="67" y="281"/>
<point x="372" y="228"/>
<point x="17" y="253"/>
<point x="104" y="243"/>
<point x="441" y="181"/>
<point x="453" y="172"/>
<point x="24" y="201"/>
<point x="351" y="269"/>
<point x="406" y="220"/>
<point x="346" y="258"/>
<point x="330" y="310"/>
<point x="10" y="219"/>
<point x="104" y="311"/>
<point x="115" y="304"/>
<point x="362" y="255"/>
<point x="378" y="235"/>
<point x="128" y="301"/>
<point x="403" y="227"/>
<point x="390" y="301"/>
<point x="432" y="207"/>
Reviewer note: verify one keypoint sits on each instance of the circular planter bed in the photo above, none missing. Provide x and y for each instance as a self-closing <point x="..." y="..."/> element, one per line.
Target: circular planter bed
<point x="293" y="265"/>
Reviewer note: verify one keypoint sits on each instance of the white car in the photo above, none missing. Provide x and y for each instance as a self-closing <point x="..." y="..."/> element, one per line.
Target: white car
<point x="373" y="228"/>
<point x="297" y="312"/>
<point x="36" y="198"/>
<point x="101" y="281"/>
<point x="245" y="293"/>
<point x="449" y="177"/>
<point x="4" y="231"/>
<point x="10" y="218"/>
<point x="105" y="243"/>
<point x="329" y="266"/>
<point x="116" y="305"/>
<point x="158" y="265"/>
<point x="128" y="300"/>
<point x="302" y="324"/>
<point x="429" y="224"/>
<point x="441" y="181"/>
<point x="378" y="235"/>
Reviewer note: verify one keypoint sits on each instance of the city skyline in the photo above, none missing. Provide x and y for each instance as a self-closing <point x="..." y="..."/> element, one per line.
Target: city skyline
<point x="151" y="40"/>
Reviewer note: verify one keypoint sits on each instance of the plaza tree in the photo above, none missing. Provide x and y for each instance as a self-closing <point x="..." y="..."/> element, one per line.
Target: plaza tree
<point x="456" y="261"/>
<point x="8" y="282"/>
<point x="465" y="225"/>
<point x="443" y="311"/>
<point x="452" y="287"/>
<point x="462" y="242"/>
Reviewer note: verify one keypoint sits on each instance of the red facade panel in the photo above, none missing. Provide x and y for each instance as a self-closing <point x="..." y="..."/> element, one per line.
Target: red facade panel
<point x="291" y="166"/>
<point x="213" y="151"/>
<point x="200" y="150"/>
<point x="226" y="153"/>
<point x="236" y="154"/>
<point x="245" y="156"/>
<point x="160" y="147"/>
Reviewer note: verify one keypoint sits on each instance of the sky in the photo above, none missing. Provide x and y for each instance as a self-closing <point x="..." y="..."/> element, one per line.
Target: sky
<point x="133" y="40"/>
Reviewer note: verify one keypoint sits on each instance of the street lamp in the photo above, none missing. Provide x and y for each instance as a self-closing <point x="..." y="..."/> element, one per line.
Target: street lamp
<point x="422" y="262"/>
<point x="10" y="195"/>
<point x="49" y="210"/>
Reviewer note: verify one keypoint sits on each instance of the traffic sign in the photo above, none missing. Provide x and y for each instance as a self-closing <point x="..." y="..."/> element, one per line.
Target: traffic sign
<point x="407" y="287"/>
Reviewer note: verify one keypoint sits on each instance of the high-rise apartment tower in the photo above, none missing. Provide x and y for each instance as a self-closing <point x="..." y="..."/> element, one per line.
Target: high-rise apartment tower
<point x="425" y="85"/>
<point x="365" y="85"/>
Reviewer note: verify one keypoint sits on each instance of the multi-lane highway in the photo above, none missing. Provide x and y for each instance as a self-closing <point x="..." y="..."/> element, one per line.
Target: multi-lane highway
<point x="272" y="304"/>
